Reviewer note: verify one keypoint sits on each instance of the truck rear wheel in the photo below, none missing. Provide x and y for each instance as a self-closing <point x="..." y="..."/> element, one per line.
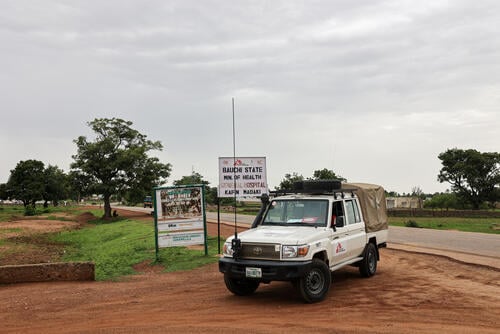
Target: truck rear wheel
<point x="368" y="266"/>
<point x="241" y="287"/>
<point x="315" y="284"/>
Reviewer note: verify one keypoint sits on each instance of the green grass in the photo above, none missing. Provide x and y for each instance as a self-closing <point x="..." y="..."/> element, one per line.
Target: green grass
<point x="483" y="225"/>
<point x="8" y="211"/>
<point x="181" y="258"/>
<point x="116" y="246"/>
<point x="9" y="230"/>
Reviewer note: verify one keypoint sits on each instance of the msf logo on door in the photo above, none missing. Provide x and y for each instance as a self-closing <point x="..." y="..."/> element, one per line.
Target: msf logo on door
<point x="339" y="249"/>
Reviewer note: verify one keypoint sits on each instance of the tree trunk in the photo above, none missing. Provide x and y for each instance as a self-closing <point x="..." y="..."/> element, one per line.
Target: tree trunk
<point x="107" y="207"/>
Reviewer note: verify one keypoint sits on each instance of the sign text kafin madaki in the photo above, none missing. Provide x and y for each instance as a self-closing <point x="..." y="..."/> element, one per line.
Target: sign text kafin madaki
<point x="248" y="174"/>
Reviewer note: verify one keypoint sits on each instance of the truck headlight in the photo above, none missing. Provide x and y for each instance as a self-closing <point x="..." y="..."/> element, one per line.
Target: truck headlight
<point x="294" y="251"/>
<point x="228" y="249"/>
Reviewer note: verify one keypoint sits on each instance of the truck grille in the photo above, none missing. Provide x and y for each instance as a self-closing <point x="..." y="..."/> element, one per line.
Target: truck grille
<point x="260" y="251"/>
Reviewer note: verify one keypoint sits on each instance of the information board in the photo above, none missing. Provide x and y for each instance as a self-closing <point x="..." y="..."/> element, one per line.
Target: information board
<point x="180" y="216"/>
<point x="245" y="175"/>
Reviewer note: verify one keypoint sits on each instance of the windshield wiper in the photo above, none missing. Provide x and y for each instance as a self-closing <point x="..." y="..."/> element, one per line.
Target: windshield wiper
<point x="274" y="223"/>
<point x="301" y="224"/>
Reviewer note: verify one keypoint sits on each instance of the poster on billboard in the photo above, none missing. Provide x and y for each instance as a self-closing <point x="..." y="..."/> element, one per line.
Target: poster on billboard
<point x="180" y="216"/>
<point x="245" y="175"/>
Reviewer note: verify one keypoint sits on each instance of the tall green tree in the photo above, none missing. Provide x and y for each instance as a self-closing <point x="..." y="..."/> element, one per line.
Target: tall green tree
<point x="289" y="180"/>
<point x="27" y="182"/>
<point x="197" y="178"/>
<point x="326" y="174"/>
<point x="55" y="185"/>
<point x="79" y="185"/>
<point x="117" y="160"/>
<point x="3" y="191"/>
<point x="473" y="175"/>
<point x="320" y="174"/>
<point x="443" y="201"/>
<point x="194" y="178"/>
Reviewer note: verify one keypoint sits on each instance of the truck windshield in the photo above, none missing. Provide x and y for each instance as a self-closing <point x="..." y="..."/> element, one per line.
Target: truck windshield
<point x="297" y="212"/>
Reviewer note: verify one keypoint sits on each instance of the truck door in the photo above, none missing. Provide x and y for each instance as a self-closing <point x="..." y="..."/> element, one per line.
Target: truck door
<point x="338" y="238"/>
<point x="355" y="227"/>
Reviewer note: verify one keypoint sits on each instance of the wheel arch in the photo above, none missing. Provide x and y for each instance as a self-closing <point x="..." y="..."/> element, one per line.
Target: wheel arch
<point x="323" y="256"/>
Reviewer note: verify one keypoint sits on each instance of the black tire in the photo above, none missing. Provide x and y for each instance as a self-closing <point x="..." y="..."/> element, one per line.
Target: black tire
<point x="241" y="287"/>
<point x="315" y="284"/>
<point x="368" y="266"/>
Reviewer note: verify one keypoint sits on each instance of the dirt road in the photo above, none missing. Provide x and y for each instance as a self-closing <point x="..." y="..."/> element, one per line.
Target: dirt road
<point x="411" y="293"/>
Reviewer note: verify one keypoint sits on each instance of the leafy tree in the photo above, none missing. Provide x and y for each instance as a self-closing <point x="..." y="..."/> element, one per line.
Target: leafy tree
<point x="473" y="175"/>
<point x="320" y="174"/>
<point x="416" y="191"/>
<point x="117" y="160"/>
<point x="326" y="174"/>
<point x="55" y="185"/>
<point x="143" y="184"/>
<point x="391" y="193"/>
<point x="3" y="191"/>
<point x="443" y="201"/>
<point x="289" y="180"/>
<point x="78" y="185"/>
<point x="194" y="178"/>
<point x="26" y="182"/>
<point x="197" y="178"/>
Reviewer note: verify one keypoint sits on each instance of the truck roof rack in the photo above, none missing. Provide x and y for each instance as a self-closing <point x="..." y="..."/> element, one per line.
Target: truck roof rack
<point x="316" y="187"/>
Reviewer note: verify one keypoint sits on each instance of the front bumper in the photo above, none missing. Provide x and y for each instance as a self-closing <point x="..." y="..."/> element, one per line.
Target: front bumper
<point x="271" y="270"/>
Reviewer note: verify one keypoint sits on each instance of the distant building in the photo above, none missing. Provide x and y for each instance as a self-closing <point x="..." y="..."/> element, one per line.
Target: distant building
<point x="404" y="203"/>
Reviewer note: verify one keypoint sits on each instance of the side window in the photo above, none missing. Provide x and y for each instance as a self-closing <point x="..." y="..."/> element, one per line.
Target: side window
<point x="356" y="212"/>
<point x="337" y="209"/>
<point x="352" y="212"/>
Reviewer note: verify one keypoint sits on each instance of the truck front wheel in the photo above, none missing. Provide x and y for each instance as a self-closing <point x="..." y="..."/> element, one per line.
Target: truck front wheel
<point x="315" y="284"/>
<point x="368" y="266"/>
<point x="241" y="287"/>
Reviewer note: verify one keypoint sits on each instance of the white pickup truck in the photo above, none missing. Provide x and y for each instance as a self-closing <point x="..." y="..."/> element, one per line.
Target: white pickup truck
<point x="305" y="235"/>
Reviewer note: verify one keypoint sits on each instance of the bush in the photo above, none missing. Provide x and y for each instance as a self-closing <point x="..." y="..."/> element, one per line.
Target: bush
<point x="411" y="223"/>
<point x="30" y="211"/>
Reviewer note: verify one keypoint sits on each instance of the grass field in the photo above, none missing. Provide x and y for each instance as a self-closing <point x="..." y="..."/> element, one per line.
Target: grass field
<point x="114" y="246"/>
<point x="483" y="225"/>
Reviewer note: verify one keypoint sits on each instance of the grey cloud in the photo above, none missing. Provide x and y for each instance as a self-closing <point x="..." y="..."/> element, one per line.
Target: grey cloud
<point x="311" y="78"/>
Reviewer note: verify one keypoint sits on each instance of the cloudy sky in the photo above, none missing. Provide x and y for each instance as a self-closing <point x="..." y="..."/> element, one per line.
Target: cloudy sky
<point x="373" y="90"/>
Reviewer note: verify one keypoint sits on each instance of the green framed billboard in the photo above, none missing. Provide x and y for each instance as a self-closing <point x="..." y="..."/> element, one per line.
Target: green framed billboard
<point x="180" y="218"/>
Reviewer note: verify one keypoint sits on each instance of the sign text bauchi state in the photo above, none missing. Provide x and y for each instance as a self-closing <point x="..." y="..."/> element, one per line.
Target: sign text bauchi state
<point x="246" y="176"/>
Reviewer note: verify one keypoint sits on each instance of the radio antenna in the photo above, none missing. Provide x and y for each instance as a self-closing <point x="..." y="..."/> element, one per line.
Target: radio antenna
<point x="234" y="176"/>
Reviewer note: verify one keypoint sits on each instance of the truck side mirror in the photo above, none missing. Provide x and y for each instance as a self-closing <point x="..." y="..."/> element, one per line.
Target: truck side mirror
<point x="340" y="221"/>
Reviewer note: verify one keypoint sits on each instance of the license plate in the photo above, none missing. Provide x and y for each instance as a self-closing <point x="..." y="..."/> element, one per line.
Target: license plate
<point x="253" y="272"/>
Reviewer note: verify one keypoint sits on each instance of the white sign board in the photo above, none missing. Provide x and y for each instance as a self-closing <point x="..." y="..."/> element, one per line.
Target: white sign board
<point x="180" y="225"/>
<point x="249" y="174"/>
<point x="181" y="239"/>
<point x="180" y="216"/>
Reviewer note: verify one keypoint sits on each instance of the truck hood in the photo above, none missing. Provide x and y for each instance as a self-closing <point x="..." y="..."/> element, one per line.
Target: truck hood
<point x="286" y="235"/>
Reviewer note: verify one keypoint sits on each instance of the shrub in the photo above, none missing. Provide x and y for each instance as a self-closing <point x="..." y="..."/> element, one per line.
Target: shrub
<point x="411" y="223"/>
<point x="30" y="211"/>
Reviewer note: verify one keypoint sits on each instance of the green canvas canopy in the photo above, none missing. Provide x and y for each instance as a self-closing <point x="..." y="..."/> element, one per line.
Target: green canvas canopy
<point x="373" y="205"/>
